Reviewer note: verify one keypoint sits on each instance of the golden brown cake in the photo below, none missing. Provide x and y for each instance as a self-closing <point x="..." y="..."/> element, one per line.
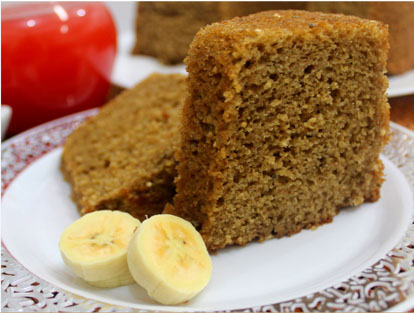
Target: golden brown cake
<point x="284" y="124"/>
<point x="398" y="15"/>
<point x="122" y="158"/>
<point x="165" y="29"/>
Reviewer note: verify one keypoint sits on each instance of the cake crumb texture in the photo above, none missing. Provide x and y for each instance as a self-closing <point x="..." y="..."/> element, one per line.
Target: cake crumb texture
<point x="286" y="117"/>
<point x="123" y="158"/>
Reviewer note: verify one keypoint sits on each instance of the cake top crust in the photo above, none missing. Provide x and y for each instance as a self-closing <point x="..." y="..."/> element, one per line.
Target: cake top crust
<point x="230" y="40"/>
<point x="292" y="21"/>
<point x="277" y="25"/>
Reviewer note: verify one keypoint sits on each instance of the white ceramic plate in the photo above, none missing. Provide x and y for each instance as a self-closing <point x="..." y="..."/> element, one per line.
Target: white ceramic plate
<point x="401" y="85"/>
<point x="130" y="69"/>
<point x="362" y="261"/>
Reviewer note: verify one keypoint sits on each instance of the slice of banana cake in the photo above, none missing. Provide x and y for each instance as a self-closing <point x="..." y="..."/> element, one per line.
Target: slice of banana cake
<point x="286" y="117"/>
<point x="123" y="158"/>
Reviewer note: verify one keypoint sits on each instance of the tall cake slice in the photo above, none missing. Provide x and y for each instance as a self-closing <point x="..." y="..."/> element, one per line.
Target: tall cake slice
<point x="286" y="117"/>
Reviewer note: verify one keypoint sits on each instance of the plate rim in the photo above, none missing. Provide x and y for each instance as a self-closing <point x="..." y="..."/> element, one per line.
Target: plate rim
<point x="88" y="303"/>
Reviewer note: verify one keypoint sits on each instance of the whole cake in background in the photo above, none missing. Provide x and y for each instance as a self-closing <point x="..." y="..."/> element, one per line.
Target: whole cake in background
<point x="286" y="117"/>
<point x="123" y="158"/>
<point x="165" y="29"/>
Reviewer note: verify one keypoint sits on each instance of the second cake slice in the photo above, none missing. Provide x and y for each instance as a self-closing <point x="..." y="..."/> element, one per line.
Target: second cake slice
<point x="123" y="158"/>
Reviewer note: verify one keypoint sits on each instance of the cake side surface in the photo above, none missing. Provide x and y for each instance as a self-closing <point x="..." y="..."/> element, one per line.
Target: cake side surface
<point x="284" y="123"/>
<point x="123" y="158"/>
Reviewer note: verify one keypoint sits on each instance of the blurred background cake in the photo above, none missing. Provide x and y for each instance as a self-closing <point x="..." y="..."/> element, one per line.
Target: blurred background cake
<point x="166" y="29"/>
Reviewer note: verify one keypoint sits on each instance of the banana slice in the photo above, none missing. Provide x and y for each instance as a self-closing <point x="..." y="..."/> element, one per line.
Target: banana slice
<point x="95" y="247"/>
<point x="168" y="257"/>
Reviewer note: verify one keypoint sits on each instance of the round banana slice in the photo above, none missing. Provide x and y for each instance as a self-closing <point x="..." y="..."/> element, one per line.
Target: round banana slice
<point x="168" y="257"/>
<point x="95" y="247"/>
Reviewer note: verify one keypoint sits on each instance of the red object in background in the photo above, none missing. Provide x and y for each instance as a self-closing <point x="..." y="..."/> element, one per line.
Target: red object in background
<point x="56" y="59"/>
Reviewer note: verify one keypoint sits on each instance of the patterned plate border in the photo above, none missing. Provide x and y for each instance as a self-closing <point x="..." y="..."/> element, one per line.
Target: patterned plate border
<point x="387" y="283"/>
